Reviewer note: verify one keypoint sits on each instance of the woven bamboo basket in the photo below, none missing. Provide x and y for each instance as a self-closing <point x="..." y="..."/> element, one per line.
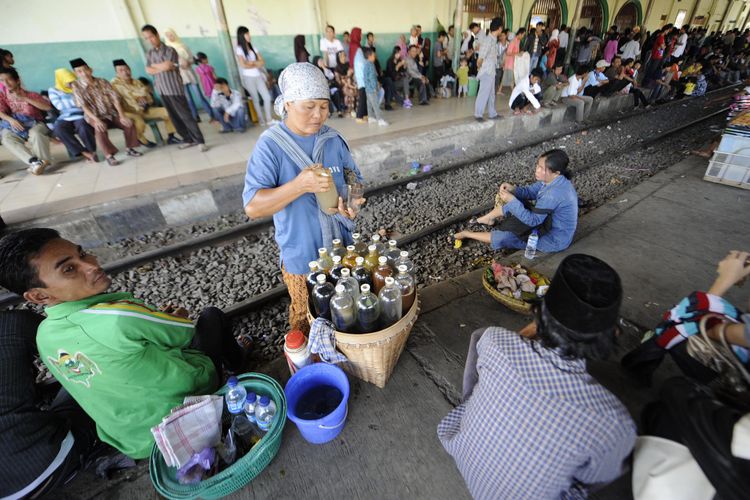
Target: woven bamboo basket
<point x="517" y="305"/>
<point x="373" y="356"/>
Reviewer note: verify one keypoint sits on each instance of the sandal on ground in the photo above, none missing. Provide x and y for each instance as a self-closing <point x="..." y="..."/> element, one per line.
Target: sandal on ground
<point x="186" y="145"/>
<point x="134" y="153"/>
<point x="112" y="161"/>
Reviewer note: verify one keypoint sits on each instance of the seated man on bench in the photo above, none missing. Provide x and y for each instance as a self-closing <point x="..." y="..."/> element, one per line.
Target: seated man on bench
<point x="125" y="362"/>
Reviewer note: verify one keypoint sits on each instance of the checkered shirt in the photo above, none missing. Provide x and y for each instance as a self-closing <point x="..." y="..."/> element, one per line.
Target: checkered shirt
<point x="536" y="426"/>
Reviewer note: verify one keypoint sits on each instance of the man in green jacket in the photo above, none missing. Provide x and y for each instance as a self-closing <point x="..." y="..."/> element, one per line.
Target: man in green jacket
<point x="126" y="363"/>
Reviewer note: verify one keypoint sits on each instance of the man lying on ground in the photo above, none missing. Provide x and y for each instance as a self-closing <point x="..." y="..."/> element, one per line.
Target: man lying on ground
<point x="125" y="362"/>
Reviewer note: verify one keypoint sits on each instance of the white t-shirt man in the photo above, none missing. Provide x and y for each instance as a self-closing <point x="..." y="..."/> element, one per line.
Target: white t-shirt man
<point x="329" y="49"/>
<point x="679" y="47"/>
<point x="563" y="38"/>
<point x="573" y="87"/>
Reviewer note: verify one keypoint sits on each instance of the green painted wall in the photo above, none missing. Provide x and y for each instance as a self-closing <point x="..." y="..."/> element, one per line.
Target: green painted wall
<point x="36" y="63"/>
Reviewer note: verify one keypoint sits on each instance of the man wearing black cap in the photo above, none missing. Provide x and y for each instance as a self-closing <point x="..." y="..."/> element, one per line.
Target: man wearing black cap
<point x="533" y="422"/>
<point x="103" y="109"/>
<point x="138" y="104"/>
<point x="163" y="65"/>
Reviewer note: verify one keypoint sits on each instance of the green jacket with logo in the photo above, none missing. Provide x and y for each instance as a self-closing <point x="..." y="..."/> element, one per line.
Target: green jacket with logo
<point x="126" y="363"/>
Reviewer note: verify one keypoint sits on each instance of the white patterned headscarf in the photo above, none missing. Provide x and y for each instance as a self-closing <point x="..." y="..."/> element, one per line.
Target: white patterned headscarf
<point x="300" y="82"/>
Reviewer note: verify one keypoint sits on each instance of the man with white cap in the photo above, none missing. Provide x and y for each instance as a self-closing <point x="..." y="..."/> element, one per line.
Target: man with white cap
<point x="533" y="423"/>
<point x="597" y="80"/>
<point x="291" y="162"/>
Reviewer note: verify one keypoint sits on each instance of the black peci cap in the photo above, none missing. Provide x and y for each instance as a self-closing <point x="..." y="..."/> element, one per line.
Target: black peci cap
<point x="76" y="63"/>
<point x="119" y="62"/>
<point x="585" y="294"/>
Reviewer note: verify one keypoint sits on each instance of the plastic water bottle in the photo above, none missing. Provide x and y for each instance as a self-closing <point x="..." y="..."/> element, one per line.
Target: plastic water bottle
<point x="265" y="411"/>
<point x="250" y="403"/>
<point x="531" y="245"/>
<point x="403" y="260"/>
<point x="390" y="303"/>
<point x="343" y="312"/>
<point x="235" y="396"/>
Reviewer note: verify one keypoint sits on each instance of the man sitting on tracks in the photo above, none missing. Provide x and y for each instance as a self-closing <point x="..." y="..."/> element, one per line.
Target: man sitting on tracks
<point x="533" y="422"/>
<point x="125" y="362"/>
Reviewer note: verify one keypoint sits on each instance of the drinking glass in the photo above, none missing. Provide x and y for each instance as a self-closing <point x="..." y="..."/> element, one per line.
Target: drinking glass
<point x="354" y="197"/>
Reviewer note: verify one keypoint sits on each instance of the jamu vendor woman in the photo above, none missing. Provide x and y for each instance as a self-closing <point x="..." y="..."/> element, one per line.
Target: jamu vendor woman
<point x="286" y="171"/>
<point x="549" y="206"/>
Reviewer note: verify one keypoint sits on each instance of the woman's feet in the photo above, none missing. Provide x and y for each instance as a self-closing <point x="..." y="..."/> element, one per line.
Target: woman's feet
<point x="486" y="220"/>
<point x="112" y="161"/>
<point x="90" y="157"/>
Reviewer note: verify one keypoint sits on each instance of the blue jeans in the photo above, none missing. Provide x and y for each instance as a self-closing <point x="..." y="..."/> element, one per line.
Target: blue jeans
<point x="534" y="61"/>
<point x="238" y="122"/>
<point x="191" y="102"/>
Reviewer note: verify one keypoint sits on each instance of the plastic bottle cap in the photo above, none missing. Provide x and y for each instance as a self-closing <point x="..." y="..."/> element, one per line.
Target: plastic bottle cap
<point x="336" y="242"/>
<point x="345" y="273"/>
<point x="404" y="253"/>
<point x="392" y="243"/>
<point x="313" y="265"/>
<point x="372" y="248"/>
<point x="356" y="236"/>
<point x="389" y="281"/>
<point x="365" y="288"/>
<point x="294" y="339"/>
<point x="251" y="396"/>
<point x="336" y="259"/>
<point x="322" y="251"/>
<point x="265" y="400"/>
<point x="350" y="248"/>
<point x="360" y="260"/>
<point x="375" y="237"/>
<point x="321" y="278"/>
<point x="340" y="288"/>
<point x="382" y="260"/>
<point x="232" y="382"/>
<point x="402" y="268"/>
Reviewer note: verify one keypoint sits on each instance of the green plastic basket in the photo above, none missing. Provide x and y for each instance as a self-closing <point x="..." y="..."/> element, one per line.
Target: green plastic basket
<point x="245" y="469"/>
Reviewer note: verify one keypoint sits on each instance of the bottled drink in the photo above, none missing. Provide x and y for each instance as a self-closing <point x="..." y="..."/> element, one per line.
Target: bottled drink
<point x="328" y="200"/>
<point x="235" y="396"/>
<point x="296" y="351"/>
<point x="368" y="310"/>
<point x="350" y="259"/>
<point x="311" y="278"/>
<point x="343" y="314"/>
<point x="405" y="282"/>
<point x="403" y="260"/>
<point x="321" y="296"/>
<point x="335" y="272"/>
<point x="265" y="411"/>
<point x="393" y="253"/>
<point x="530" y="252"/>
<point x="375" y="240"/>
<point x="359" y="246"/>
<point x="338" y="249"/>
<point x="390" y="303"/>
<point x="245" y="435"/>
<point x="325" y="263"/>
<point x="350" y="284"/>
<point x="380" y="274"/>
<point x="361" y="274"/>
<point x="250" y="402"/>
<point x="371" y="261"/>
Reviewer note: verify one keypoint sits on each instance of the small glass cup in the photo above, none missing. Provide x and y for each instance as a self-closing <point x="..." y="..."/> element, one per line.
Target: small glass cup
<point x="356" y="192"/>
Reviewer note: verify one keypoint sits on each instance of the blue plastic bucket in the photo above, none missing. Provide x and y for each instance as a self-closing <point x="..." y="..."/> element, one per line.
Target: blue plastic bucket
<point x="308" y="378"/>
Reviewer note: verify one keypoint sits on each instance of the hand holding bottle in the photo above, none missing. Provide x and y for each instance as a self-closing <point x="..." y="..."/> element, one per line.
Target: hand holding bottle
<point x="310" y="180"/>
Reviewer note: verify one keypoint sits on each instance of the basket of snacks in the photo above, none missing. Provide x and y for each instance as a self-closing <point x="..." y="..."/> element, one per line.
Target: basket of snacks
<point x="516" y="287"/>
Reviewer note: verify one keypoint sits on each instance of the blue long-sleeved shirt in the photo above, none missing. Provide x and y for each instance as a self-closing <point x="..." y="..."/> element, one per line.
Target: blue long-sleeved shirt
<point x="371" y="77"/>
<point x="559" y="197"/>
<point x="65" y="104"/>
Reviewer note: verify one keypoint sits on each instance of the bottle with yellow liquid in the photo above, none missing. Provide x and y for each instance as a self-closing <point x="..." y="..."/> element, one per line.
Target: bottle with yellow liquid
<point x="328" y="200"/>
<point x="350" y="259"/>
<point x="371" y="261"/>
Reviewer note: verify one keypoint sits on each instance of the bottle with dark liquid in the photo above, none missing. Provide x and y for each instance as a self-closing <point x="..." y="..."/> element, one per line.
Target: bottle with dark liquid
<point x="380" y="274"/>
<point x="343" y="313"/>
<point x="405" y="282"/>
<point x="390" y="303"/>
<point x="362" y="275"/>
<point x="335" y="272"/>
<point x="371" y="261"/>
<point x="368" y="310"/>
<point x="312" y="276"/>
<point x="359" y="246"/>
<point x="393" y="253"/>
<point x="375" y="240"/>
<point x="321" y="296"/>
<point x="338" y="249"/>
<point x="350" y="259"/>
<point x="324" y="260"/>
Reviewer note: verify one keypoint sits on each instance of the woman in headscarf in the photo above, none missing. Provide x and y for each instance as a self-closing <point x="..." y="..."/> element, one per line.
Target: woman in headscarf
<point x="186" y="61"/>
<point x="300" y="52"/>
<point x="356" y="55"/>
<point x="345" y="79"/>
<point x="71" y="121"/>
<point x="552" y="46"/>
<point x="402" y="45"/>
<point x="251" y="65"/>
<point x="286" y="170"/>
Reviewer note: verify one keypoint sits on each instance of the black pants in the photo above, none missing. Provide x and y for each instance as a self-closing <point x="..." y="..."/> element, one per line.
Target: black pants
<point x="437" y="73"/>
<point x="66" y="131"/>
<point x="688" y="413"/>
<point x="613" y="87"/>
<point x="361" y="103"/>
<point x="389" y="86"/>
<point x="638" y="96"/>
<point x="213" y="336"/>
<point x="182" y="118"/>
<point x="521" y="101"/>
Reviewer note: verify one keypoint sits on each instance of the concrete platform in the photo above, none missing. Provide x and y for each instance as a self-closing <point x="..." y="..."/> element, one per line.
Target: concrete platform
<point x="168" y="186"/>
<point x="664" y="237"/>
